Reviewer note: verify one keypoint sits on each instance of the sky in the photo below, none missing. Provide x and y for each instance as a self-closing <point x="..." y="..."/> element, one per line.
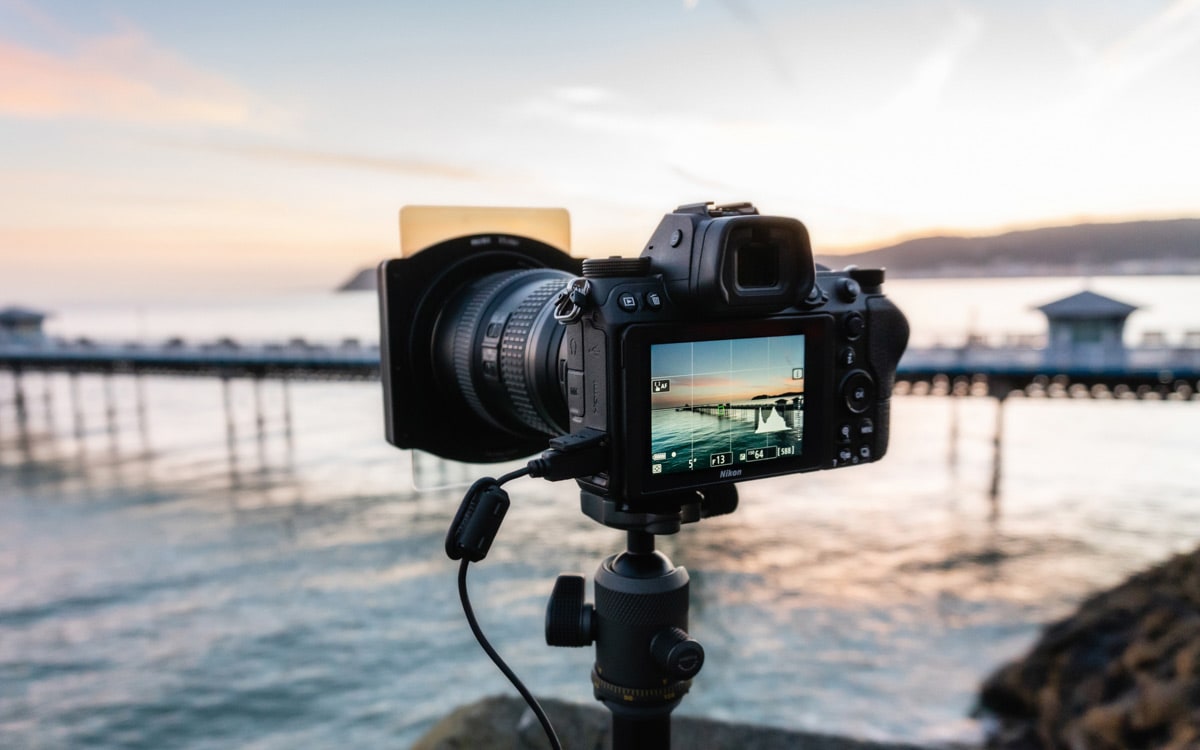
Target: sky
<point x="156" y="152"/>
<point x="700" y="372"/>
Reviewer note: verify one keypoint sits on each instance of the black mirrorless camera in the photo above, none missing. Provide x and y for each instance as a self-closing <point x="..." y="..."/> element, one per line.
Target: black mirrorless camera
<point x="718" y="355"/>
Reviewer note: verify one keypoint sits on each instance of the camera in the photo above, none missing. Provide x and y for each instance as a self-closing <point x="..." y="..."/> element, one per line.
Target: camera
<point x="720" y="354"/>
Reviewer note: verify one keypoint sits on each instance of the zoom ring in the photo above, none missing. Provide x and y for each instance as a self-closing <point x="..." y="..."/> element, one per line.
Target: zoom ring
<point x="513" y="347"/>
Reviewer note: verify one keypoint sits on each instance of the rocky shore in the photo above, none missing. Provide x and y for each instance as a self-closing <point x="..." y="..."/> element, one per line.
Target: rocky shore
<point x="1121" y="673"/>
<point x="505" y="723"/>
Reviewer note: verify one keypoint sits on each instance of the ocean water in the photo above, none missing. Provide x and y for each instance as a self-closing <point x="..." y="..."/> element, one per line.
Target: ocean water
<point x="171" y="578"/>
<point x="684" y="440"/>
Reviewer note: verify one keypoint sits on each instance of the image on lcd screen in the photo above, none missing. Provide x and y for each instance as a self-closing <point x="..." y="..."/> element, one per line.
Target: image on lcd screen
<point x="725" y="403"/>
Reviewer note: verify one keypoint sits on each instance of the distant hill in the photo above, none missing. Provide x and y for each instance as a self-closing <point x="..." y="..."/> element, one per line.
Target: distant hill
<point x="362" y="281"/>
<point x="1136" y="247"/>
<point x="1129" y="248"/>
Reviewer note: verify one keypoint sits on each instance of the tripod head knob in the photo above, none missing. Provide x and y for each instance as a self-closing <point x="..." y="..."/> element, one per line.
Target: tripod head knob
<point x="677" y="653"/>
<point x="568" y="618"/>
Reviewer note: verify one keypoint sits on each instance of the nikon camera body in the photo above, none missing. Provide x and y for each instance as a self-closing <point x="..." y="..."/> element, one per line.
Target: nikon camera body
<point x="719" y="355"/>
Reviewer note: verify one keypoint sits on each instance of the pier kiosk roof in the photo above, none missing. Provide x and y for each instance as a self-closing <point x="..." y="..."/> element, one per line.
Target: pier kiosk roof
<point x="20" y="323"/>
<point x="1087" y="306"/>
<point x="13" y="316"/>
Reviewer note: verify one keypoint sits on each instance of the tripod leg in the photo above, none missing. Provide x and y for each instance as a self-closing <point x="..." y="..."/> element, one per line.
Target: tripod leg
<point x="641" y="734"/>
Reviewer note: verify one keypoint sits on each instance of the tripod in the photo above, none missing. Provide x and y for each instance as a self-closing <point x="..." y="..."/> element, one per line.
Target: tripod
<point x="645" y="659"/>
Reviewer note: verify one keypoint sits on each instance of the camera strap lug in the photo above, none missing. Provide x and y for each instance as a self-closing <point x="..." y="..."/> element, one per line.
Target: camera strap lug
<point x="571" y="301"/>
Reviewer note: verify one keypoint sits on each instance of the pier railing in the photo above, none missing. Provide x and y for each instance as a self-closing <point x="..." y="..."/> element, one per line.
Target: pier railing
<point x="1159" y="369"/>
<point x="225" y="358"/>
<point x="1000" y="370"/>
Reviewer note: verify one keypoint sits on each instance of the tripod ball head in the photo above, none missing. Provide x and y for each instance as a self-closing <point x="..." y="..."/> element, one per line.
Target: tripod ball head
<point x="645" y="660"/>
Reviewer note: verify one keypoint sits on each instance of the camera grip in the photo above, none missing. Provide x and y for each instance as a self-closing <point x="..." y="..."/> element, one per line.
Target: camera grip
<point x="887" y="337"/>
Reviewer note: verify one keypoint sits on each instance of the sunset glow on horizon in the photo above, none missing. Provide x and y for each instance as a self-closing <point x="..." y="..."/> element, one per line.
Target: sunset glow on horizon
<point x="156" y="152"/>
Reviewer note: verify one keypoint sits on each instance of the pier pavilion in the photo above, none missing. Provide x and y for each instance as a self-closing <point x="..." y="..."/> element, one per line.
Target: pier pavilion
<point x="1086" y="331"/>
<point x="21" y="325"/>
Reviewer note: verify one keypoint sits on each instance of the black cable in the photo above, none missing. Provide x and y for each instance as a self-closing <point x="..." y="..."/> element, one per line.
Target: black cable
<point x="479" y="517"/>
<point x="470" y="535"/>
<point x="495" y="657"/>
<point x="514" y="474"/>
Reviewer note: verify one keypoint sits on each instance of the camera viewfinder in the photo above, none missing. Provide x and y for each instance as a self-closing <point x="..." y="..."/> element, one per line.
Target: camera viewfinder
<point x="757" y="264"/>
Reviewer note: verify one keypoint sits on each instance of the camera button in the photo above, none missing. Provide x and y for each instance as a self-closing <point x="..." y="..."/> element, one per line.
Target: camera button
<point x="844" y="432"/>
<point x="653" y="300"/>
<point x="858" y="390"/>
<point x="847" y="357"/>
<point x="866" y="426"/>
<point x="853" y="325"/>
<point x="628" y="302"/>
<point x="864" y="452"/>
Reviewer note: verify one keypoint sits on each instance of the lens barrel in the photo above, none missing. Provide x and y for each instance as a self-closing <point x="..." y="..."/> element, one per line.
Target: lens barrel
<point x="496" y="347"/>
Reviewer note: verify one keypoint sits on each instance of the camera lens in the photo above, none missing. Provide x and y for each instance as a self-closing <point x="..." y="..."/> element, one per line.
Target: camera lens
<point x="496" y="348"/>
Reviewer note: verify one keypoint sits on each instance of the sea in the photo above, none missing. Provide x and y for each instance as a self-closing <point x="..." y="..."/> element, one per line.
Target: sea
<point x="258" y="568"/>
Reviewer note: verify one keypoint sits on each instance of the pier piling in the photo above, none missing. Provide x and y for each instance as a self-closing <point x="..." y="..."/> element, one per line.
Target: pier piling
<point x="142" y="418"/>
<point x="289" y="444"/>
<point x="997" y="453"/>
<point x="48" y="400"/>
<point x="230" y="429"/>
<point x="260" y="425"/>
<point x="110" y="414"/>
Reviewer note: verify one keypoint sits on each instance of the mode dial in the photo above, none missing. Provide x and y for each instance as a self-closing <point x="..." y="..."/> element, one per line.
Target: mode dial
<point x="601" y="268"/>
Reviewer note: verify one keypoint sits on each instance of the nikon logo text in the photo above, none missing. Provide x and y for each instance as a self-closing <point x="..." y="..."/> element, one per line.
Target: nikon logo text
<point x="729" y="473"/>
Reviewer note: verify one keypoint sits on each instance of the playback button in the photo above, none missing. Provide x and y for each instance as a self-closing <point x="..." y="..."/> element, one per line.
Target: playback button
<point x="858" y="391"/>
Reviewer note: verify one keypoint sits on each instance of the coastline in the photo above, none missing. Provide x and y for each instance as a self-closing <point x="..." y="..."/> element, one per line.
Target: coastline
<point x="1122" y="670"/>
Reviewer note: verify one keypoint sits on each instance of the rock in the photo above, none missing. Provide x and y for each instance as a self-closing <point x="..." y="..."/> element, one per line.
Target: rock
<point x="505" y="723"/>
<point x="1122" y="672"/>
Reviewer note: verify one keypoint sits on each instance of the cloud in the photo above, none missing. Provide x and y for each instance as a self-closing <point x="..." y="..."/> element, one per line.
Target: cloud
<point x="923" y="92"/>
<point x="1144" y="48"/>
<point x="583" y="95"/>
<point x="764" y="43"/>
<point x="122" y="76"/>
<point x="320" y="158"/>
<point x="1166" y="34"/>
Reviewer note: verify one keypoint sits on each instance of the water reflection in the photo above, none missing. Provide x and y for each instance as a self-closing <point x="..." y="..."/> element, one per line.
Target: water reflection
<point x="187" y="578"/>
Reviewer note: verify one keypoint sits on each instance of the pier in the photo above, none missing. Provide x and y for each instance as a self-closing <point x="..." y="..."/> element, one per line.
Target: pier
<point x="26" y="402"/>
<point x="1079" y="361"/>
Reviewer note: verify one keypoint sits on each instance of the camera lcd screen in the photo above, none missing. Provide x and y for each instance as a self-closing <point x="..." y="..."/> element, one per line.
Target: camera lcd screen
<point x="726" y="403"/>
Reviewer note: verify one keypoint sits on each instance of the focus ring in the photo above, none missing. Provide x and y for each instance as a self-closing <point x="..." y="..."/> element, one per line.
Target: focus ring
<point x="513" y="355"/>
<point x="479" y="298"/>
